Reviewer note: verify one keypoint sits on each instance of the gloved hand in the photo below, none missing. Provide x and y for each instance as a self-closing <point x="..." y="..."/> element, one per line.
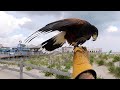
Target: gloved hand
<point x="81" y="62"/>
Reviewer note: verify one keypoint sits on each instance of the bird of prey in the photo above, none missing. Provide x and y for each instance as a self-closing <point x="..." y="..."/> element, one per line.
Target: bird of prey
<point x="73" y="30"/>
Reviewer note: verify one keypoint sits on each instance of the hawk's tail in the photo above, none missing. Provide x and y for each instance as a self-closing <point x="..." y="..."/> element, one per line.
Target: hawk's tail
<point x="54" y="42"/>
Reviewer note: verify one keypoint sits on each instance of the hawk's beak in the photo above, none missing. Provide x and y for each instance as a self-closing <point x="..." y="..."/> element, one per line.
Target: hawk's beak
<point x="94" y="37"/>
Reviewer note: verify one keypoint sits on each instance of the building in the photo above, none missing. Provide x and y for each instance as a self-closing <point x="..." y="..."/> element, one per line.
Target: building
<point x="4" y="50"/>
<point x="1" y="45"/>
<point x="91" y="50"/>
<point x="67" y="49"/>
<point x="95" y="50"/>
<point x="20" y="49"/>
<point x="36" y="50"/>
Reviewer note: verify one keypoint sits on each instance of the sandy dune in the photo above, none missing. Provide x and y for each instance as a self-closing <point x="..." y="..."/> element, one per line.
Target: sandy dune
<point x="102" y="72"/>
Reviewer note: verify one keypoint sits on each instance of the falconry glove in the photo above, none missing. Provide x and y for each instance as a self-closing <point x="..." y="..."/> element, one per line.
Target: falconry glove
<point x="81" y="62"/>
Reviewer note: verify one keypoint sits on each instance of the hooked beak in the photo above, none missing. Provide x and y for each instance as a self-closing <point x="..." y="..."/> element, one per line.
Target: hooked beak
<point x="94" y="37"/>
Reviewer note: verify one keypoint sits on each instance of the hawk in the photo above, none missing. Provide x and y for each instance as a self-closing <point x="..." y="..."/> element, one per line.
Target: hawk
<point x="73" y="30"/>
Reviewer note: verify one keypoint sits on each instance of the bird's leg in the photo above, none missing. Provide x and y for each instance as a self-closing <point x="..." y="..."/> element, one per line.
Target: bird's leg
<point x="73" y="43"/>
<point x="76" y="46"/>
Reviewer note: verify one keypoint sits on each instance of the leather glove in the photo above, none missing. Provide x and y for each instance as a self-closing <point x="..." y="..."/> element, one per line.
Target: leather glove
<point x="81" y="62"/>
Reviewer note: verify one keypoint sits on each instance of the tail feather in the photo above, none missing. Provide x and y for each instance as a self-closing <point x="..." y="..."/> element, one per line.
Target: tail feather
<point x="55" y="42"/>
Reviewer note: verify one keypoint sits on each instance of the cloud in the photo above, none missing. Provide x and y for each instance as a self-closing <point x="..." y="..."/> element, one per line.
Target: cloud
<point x="63" y="15"/>
<point x="23" y="20"/>
<point x="41" y="13"/>
<point x="112" y="29"/>
<point x="16" y="25"/>
<point x="104" y="21"/>
<point x="101" y="19"/>
<point x="41" y="18"/>
<point x="12" y="41"/>
<point x="9" y="23"/>
<point x="107" y="43"/>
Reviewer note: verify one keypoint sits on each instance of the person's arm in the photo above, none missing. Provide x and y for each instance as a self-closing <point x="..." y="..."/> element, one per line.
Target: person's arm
<point x="86" y="75"/>
<point x="82" y="69"/>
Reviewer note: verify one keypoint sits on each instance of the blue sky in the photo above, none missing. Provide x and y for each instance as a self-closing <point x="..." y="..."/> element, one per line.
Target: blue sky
<point x="18" y="25"/>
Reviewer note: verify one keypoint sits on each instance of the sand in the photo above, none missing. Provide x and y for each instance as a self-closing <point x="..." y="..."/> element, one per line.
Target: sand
<point x="102" y="71"/>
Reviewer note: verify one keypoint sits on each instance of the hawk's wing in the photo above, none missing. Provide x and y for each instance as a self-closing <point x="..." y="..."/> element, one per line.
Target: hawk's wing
<point x="57" y="25"/>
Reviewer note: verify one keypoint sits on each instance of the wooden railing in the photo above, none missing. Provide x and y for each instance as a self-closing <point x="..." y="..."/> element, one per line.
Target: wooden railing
<point x="22" y="64"/>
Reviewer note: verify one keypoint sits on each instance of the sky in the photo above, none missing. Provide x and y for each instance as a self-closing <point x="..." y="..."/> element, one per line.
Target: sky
<point x="18" y="25"/>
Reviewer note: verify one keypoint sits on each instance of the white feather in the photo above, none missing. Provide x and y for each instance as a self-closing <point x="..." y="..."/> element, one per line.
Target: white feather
<point x="59" y="39"/>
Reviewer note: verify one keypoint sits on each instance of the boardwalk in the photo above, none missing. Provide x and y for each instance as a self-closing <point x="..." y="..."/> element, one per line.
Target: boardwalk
<point x="6" y="56"/>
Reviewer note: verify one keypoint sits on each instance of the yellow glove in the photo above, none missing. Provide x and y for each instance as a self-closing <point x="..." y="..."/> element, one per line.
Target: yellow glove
<point x="81" y="62"/>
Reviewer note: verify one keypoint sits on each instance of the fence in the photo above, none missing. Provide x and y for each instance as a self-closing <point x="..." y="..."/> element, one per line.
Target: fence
<point x="21" y="64"/>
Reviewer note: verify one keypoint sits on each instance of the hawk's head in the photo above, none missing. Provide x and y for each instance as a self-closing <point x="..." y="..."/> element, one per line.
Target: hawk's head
<point x="94" y="33"/>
